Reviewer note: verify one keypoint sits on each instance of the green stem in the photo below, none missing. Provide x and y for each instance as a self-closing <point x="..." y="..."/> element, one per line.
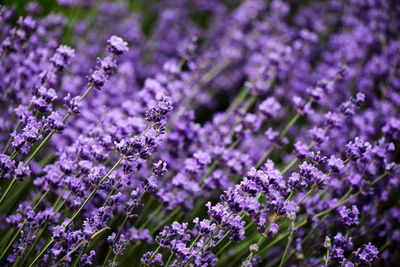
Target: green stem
<point x="341" y="203"/>
<point x="41" y="199"/>
<point x="219" y="241"/>
<point x="81" y="244"/>
<point x="275" y="241"/>
<point x="14" y="154"/>
<point x="38" y="234"/>
<point x="319" y="223"/>
<point x="289" y="125"/>
<point x="41" y="253"/>
<point x="116" y="165"/>
<point x="208" y="241"/>
<point x="264" y="157"/>
<point x="223" y="248"/>
<point x="252" y="253"/>
<point x="39" y="147"/>
<point x="8" y="189"/>
<point x="107" y="256"/>
<point x="194" y="241"/>
<point x="78" y="258"/>
<point x="59" y="198"/>
<point x="11" y="138"/>
<point x="289" y="166"/>
<point x="157" y="211"/>
<point x="210" y="75"/>
<point x="290" y="238"/>
<point x="169" y="259"/>
<point x="5" y="237"/>
<point x="21" y="227"/>
<point x="131" y="251"/>
<point x="215" y="71"/>
<point x="155" y="252"/>
<point x="236" y="102"/>
<point x="114" y="259"/>
<point x="116" y="238"/>
<point x="47" y="159"/>
<point x="249" y="103"/>
<point x="12" y="241"/>
<point x="160" y="224"/>
<point x="13" y="196"/>
<point x="26" y="163"/>
<point x="327" y="258"/>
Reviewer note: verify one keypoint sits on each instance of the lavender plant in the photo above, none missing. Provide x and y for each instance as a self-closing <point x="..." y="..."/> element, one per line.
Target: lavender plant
<point x="200" y="133"/>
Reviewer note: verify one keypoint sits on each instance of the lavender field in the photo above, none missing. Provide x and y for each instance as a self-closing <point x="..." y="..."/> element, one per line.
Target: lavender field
<point x="200" y="133"/>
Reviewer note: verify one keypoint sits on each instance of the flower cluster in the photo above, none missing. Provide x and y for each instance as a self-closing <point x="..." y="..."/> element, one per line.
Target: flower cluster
<point x="200" y="133"/>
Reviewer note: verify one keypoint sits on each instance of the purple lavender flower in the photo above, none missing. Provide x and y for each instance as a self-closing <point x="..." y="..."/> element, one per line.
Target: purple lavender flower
<point x="55" y="122"/>
<point x="254" y="247"/>
<point x="273" y="230"/>
<point x="225" y="124"/>
<point x="270" y="107"/>
<point x="62" y="57"/>
<point x="117" y="45"/>
<point x="7" y="166"/>
<point x="98" y="78"/>
<point x="335" y="164"/>
<point x="117" y="245"/>
<point x="349" y="217"/>
<point x="367" y="255"/>
<point x="21" y="171"/>
<point x="318" y="135"/>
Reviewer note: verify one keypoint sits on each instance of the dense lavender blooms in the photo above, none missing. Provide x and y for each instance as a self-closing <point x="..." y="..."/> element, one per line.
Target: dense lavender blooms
<point x="349" y="216"/>
<point x="220" y="133"/>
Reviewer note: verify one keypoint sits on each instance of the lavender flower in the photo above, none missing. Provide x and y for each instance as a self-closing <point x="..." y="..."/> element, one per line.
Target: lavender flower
<point x="349" y="217"/>
<point x="229" y="133"/>
<point x="367" y="255"/>
<point x="117" y="45"/>
<point x="62" y="57"/>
